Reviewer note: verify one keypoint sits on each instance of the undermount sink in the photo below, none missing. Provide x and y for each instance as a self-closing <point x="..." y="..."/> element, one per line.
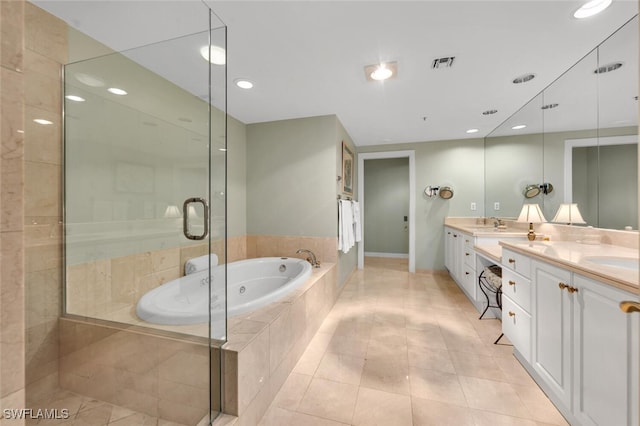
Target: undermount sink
<point x="616" y="262"/>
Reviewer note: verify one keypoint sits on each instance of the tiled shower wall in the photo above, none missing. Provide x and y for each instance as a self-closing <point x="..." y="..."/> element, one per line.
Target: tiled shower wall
<point x="32" y="53"/>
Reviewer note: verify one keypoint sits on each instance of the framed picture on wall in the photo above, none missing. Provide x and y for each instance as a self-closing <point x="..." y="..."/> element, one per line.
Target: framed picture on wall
<point x="347" y="169"/>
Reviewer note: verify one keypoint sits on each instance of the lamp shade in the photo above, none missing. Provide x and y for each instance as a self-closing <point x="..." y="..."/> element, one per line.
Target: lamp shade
<point x="172" y="212"/>
<point x="531" y="213"/>
<point x="568" y="213"/>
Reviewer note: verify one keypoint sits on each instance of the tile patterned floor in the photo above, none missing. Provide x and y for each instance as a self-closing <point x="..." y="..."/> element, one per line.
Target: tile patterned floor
<point x="85" y="411"/>
<point x="408" y="349"/>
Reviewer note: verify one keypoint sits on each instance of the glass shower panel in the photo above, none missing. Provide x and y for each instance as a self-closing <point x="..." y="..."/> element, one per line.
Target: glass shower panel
<point x="145" y="130"/>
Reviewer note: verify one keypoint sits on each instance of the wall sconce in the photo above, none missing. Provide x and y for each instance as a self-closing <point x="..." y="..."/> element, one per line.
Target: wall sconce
<point x="531" y="191"/>
<point x="531" y="214"/>
<point x="445" y="192"/>
<point x="568" y="213"/>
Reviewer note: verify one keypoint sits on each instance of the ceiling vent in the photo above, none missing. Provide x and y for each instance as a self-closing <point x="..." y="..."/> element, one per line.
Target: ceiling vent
<point x="523" y="78"/>
<point x="608" y="68"/>
<point x="443" y="62"/>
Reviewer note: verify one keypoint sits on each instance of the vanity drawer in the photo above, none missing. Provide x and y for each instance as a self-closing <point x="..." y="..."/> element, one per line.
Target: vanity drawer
<point x="469" y="281"/>
<point x="469" y="257"/>
<point x="516" y="262"/>
<point x="516" y="325"/>
<point x="517" y="288"/>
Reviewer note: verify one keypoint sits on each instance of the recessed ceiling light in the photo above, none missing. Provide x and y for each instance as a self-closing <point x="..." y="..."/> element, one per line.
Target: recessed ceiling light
<point x="381" y="72"/>
<point x="43" y="121"/>
<point x="489" y="112"/>
<point x="472" y="131"/>
<point x="74" y="98"/>
<point x="117" y="91"/>
<point x="591" y="8"/>
<point x="222" y="149"/>
<point x="20" y="131"/>
<point x="549" y="106"/>
<point x="524" y="78"/>
<point x="243" y="84"/>
<point x="519" y="126"/>
<point x="89" y="80"/>
<point x="608" y="68"/>
<point x="218" y="54"/>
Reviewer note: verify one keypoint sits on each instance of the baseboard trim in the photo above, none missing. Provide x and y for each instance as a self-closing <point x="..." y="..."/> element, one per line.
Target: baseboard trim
<point x="391" y="255"/>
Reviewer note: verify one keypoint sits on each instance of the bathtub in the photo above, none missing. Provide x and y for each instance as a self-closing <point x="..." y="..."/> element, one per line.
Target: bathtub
<point x="251" y="284"/>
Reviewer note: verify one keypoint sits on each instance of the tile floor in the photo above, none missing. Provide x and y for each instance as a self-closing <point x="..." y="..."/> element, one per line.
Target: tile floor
<point x="408" y="349"/>
<point x="86" y="411"/>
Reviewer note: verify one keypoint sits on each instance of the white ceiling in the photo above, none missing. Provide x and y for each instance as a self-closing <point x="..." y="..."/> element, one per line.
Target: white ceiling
<point x="306" y="58"/>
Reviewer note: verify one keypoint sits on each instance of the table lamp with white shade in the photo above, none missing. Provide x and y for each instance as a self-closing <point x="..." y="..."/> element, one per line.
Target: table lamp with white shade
<point x="531" y="214"/>
<point x="568" y="213"/>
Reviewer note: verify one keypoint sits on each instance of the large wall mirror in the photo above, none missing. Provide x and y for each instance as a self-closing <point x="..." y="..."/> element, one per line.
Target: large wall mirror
<point x="579" y="144"/>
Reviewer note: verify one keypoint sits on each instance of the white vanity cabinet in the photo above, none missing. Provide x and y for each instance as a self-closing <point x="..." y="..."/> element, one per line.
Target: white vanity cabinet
<point x="516" y="301"/>
<point x="584" y="349"/>
<point x="551" y="328"/>
<point x="460" y="260"/>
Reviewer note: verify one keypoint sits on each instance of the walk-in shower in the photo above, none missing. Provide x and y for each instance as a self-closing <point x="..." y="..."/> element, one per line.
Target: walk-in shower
<point x="144" y="191"/>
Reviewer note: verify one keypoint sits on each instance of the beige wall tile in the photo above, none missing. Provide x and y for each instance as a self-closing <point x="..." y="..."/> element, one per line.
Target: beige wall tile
<point x="42" y="189"/>
<point x="12" y="321"/>
<point x="11" y="34"/>
<point x="43" y="142"/>
<point x="43" y="91"/>
<point x="280" y="338"/>
<point x="45" y="34"/>
<point x="165" y="259"/>
<point x="253" y="369"/>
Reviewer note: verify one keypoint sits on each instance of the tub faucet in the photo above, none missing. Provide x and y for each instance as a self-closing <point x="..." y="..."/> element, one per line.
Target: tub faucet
<point x="311" y="259"/>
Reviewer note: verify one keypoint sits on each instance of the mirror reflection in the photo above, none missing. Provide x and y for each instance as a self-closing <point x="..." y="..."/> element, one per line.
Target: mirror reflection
<point x="579" y="145"/>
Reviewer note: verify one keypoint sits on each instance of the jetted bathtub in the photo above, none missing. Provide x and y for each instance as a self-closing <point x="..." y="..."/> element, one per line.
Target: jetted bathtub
<point x="252" y="284"/>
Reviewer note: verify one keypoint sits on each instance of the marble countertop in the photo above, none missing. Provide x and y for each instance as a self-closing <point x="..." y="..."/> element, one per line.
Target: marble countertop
<point x="583" y="259"/>
<point x="490" y="251"/>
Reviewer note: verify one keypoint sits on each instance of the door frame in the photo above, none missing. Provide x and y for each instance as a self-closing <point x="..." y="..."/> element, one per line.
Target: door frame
<point x="411" y="155"/>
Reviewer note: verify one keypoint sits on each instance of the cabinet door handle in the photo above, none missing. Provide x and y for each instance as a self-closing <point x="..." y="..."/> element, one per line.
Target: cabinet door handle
<point x="448" y="233"/>
<point x="455" y="236"/>
<point x="512" y="282"/>
<point x="466" y="273"/>
<point x="512" y="314"/>
<point x="572" y="289"/>
<point x="466" y="254"/>
<point x="512" y="260"/>
<point x="563" y="286"/>
<point x="629" y="306"/>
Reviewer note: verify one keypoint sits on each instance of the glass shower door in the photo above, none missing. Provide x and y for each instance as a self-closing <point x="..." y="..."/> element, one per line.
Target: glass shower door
<point x="145" y="214"/>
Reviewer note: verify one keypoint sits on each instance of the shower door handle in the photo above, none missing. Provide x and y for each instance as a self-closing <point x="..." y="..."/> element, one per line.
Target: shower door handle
<point x="185" y="218"/>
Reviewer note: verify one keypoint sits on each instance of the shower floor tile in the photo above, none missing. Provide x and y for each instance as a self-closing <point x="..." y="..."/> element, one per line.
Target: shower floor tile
<point x="86" y="411"/>
<point x="409" y="347"/>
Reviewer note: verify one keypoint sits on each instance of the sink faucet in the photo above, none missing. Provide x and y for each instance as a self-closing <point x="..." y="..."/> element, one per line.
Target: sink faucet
<point x="311" y="259"/>
<point x="496" y="221"/>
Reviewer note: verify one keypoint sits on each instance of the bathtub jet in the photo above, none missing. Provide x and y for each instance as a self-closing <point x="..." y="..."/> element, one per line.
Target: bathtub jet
<point x="251" y="284"/>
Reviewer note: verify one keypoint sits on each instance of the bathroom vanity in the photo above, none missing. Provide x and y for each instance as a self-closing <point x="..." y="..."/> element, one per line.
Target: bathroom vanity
<point x="560" y="310"/>
<point x="468" y="249"/>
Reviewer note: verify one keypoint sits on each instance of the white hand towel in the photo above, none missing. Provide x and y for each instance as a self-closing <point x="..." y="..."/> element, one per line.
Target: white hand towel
<point x="199" y="263"/>
<point x="347" y="226"/>
<point x="357" y="227"/>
